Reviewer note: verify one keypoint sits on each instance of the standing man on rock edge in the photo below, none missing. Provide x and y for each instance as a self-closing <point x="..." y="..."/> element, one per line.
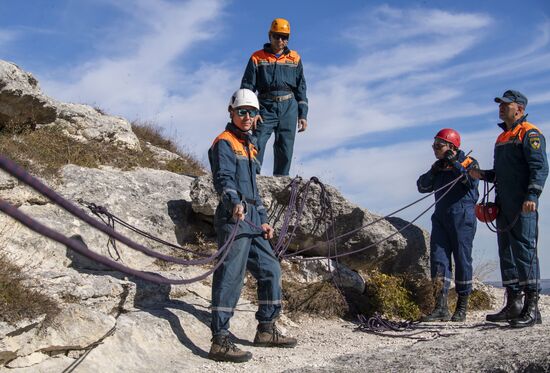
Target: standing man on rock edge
<point x="277" y="74"/>
<point x="234" y="166"/>
<point x="453" y="223"/>
<point x="519" y="171"/>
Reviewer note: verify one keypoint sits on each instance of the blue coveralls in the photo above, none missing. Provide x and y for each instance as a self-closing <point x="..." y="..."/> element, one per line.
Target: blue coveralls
<point x="233" y="162"/>
<point x="281" y="87"/>
<point x="453" y="222"/>
<point x="520" y="171"/>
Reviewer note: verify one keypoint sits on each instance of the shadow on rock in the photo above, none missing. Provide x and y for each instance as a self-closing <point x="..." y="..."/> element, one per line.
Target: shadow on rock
<point x="149" y="297"/>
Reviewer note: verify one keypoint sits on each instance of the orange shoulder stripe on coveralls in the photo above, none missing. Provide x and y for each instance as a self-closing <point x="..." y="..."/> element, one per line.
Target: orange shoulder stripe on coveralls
<point x="237" y="145"/>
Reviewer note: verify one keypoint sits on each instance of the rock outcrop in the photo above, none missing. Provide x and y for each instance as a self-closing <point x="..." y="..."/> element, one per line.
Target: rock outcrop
<point x="404" y="252"/>
<point x="22" y="104"/>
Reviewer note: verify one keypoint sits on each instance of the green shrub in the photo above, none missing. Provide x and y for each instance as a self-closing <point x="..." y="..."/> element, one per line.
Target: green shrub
<point x="388" y="296"/>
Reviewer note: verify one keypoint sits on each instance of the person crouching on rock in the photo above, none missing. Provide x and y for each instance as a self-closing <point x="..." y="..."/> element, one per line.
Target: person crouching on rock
<point x="453" y="223"/>
<point x="233" y="162"/>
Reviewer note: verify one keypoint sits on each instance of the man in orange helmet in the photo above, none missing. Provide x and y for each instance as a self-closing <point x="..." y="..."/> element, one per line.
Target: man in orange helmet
<point x="277" y="74"/>
<point x="453" y="223"/>
<point x="520" y="170"/>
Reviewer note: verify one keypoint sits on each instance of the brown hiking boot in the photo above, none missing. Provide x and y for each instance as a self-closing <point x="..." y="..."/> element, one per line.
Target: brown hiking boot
<point x="223" y="349"/>
<point x="268" y="335"/>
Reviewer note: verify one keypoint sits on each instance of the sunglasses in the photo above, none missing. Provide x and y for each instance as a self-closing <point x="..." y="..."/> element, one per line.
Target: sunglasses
<point x="282" y="37"/>
<point x="243" y="112"/>
<point x="439" y="145"/>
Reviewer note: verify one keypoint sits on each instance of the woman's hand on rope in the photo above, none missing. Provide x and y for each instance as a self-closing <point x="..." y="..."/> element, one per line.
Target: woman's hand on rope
<point x="476" y="173"/>
<point x="238" y="212"/>
<point x="268" y="231"/>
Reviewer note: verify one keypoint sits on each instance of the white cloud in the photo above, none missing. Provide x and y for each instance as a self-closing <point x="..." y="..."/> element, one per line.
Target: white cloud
<point x="148" y="80"/>
<point x="414" y="80"/>
<point x="7" y="36"/>
<point x="386" y="25"/>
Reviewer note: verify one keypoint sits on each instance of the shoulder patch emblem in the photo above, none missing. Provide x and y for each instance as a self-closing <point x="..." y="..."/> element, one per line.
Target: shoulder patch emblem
<point x="533" y="134"/>
<point x="534" y="142"/>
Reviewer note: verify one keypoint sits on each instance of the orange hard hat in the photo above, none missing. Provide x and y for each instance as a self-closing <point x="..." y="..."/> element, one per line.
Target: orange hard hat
<point x="486" y="212"/>
<point x="280" y="26"/>
<point x="449" y="135"/>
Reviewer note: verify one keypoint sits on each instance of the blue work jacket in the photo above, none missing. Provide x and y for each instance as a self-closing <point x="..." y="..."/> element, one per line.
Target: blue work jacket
<point x="268" y="74"/>
<point x="463" y="193"/>
<point x="233" y="163"/>
<point x="520" y="165"/>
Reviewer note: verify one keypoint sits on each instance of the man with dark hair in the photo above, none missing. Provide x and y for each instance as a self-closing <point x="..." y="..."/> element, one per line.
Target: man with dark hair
<point x="519" y="171"/>
<point x="453" y="223"/>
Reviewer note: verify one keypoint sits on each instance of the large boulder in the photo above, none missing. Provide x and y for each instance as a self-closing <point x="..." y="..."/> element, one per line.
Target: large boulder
<point x="22" y="104"/>
<point x="390" y="251"/>
<point x="21" y="100"/>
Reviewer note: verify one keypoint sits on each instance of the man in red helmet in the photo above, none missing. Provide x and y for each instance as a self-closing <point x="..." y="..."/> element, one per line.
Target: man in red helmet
<point x="453" y="223"/>
<point x="520" y="170"/>
<point x="277" y="74"/>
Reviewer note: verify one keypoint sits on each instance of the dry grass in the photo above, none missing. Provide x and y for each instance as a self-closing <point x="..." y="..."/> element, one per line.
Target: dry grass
<point x="18" y="301"/>
<point x="318" y="298"/>
<point x="148" y="132"/>
<point x="45" y="150"/>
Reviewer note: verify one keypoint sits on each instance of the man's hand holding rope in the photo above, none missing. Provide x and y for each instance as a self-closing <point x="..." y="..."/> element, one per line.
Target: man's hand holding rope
<point x="268" y="231"/>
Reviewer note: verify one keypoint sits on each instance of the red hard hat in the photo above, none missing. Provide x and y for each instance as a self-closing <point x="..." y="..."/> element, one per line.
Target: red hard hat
<point x="486" y="212"/>
<point x="449" y="135"/>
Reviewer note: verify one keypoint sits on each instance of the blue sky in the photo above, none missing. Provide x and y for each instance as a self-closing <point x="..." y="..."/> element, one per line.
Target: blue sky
<point x="383" y="77"/>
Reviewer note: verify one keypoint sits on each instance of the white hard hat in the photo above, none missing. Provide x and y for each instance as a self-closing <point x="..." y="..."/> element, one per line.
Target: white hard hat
<point x="244" y="97"/>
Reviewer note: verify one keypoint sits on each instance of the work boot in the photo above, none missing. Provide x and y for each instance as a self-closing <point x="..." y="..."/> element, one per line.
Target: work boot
<point x="268" y="335"/>
<point x="461" y="308"/>
<point x="511" y="310"/>
<point x="223" y="349"/>
<point x="440" y="312"/>
<point x="530" y="314"/>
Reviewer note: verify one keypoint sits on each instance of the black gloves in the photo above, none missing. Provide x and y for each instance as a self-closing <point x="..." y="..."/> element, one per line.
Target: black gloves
<point x="449" y="157"/>
<point x="439" y="165"/>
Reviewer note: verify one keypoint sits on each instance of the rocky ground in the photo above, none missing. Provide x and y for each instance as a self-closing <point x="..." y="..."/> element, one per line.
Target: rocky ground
<point x="141" y="342"/>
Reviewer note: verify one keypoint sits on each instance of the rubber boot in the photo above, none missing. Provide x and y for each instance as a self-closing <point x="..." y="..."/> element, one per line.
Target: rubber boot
<point x="268" y="335"/>
<point x="511" y="310"/>
<point x="223" y="349"/>
<point x="461" y="308"/>
<point x="530" y="314"/>
<point x="440" y="312"/>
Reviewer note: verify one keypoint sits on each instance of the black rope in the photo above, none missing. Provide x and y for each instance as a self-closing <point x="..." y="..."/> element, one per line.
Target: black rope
<point x="100" y="211"/>
<point x="397" y="329"/>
